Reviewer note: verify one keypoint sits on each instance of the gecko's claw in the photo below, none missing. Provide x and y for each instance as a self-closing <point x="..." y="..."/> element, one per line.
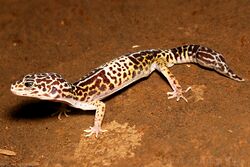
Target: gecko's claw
<point x="94" y="130"/>
<point x="60" y="113"/>
<point x="64" y="113"/>
<point x="178" y="94"/>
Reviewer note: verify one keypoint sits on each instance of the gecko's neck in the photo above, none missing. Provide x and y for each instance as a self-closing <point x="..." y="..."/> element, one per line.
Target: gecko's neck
<point x="68" y="94"/>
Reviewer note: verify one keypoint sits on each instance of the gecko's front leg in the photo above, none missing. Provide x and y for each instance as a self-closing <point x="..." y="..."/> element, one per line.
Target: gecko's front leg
<point x="99" y="115"/>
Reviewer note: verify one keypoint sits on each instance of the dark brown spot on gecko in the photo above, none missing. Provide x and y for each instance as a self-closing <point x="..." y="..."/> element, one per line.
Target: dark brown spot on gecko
<point x="85" y="89"/>
<point x="222" y="58"/>
<point x="83" y="97"/>
<point x="142" y="53"/>
<point x="56" y="83"/>
<point x="97" y="82"/>
<point x="171" y="76"/>
<point x="92" y="92"/>
<point x="90" y="79"/>
<point x="75" y="98"/>
<point x="112" y="77"/>
<point x="43" y="85"/>
<point x="133" y="74"/>
<point x="204" y="56"/>
<point x="135" y="67"/>
<point x="125" y="64"/>
<point x="140" y="67"/>
<point x="104" y="77"/>
<point x="124" y="75"/>
<point x="174" y="50"/>
<point x="60" y="80"/>
<point x="79" y="92"/>
<point x="167" y="57"/>
<point x="120" y="81"/>
<point x="40" y="80"/>
<point x="195" y="49"/>
<point x="140" y="59"/>
<point x="136" y="55"/>
<point x="150" y="57"/>
<point x="133" y="60"/>
<point x="119" y="65"/>
<point x="102" y="87"/>
<point x="111" y="86"/>
<point x="53" y="77"/>
<point x="171" y="57"/>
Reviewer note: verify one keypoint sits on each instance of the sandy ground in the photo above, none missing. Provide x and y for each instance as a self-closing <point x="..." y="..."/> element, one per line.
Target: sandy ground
<point x="145" y="128"/>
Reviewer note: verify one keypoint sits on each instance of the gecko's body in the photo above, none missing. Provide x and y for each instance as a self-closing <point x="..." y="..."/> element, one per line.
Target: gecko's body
<point x="103" y="81"/>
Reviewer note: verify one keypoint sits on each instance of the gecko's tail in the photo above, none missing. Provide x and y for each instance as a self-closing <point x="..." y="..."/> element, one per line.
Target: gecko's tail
<point x="209" y="58"/>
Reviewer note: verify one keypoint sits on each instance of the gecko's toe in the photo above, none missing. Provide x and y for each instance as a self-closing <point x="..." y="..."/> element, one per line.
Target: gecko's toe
<point x="178" y="94"/>
<point x="60" y="113"/>
<point x="94" y="130"/>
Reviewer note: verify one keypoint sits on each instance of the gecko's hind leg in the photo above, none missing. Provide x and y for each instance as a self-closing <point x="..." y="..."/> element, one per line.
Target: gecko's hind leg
<point x="99" y="115"/>
<point x="178" y="93"/>
<point x="177" y="89"/>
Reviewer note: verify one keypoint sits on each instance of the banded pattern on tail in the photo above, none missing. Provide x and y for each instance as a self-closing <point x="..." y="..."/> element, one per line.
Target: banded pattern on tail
<point x="205" y="57"/>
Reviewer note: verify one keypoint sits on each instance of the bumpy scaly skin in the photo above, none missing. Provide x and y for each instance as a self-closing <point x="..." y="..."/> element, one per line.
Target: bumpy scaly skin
<point x="103" y="81"/>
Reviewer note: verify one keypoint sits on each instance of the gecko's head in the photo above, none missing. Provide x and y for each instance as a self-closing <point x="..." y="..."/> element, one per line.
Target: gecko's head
<point x="46" y="86"/>
<point x="211" y="59"/>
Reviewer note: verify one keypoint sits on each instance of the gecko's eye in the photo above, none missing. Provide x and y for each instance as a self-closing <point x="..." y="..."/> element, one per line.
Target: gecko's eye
<point x="67" y="85"/>
<point x="28" y="84"/>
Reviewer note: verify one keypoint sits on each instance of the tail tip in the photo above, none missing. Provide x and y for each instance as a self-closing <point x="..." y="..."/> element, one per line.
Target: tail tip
<point x="237" y="78"/>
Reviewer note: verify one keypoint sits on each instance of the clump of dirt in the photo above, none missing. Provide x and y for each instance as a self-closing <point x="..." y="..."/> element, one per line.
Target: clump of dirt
<point x="118" y="143"/>
<point x="198" y="92"/>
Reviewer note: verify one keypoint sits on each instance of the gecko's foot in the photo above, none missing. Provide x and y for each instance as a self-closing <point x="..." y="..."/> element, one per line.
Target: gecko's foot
<point x="94" y="130"/>
<point x="178" y="94"/>
<point x="64" y="112"/>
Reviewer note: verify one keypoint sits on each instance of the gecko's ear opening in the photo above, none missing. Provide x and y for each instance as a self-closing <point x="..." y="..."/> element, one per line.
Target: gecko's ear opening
<point x="54" y="91"/>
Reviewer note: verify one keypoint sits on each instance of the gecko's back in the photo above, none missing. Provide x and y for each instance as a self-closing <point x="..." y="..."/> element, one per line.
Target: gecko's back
<point x="122" y="71"/>
<point x="117" y="74"/>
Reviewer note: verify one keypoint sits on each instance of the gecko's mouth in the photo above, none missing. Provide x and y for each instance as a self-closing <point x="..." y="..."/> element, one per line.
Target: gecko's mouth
<point x="17" y="91"/>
